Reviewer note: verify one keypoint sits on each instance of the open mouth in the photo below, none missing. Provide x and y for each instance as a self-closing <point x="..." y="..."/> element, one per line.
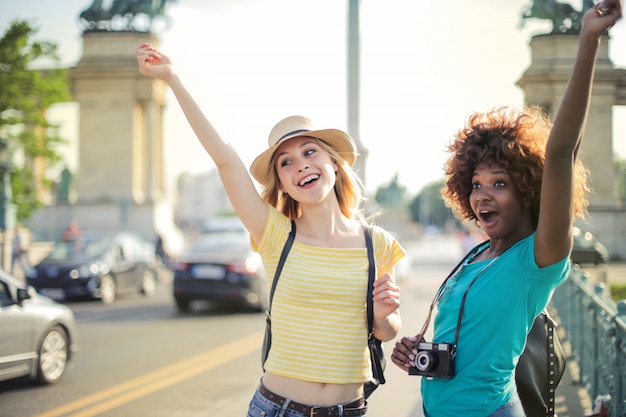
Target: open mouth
<point x="309" y="179"/>
<point x="487" y="217"/>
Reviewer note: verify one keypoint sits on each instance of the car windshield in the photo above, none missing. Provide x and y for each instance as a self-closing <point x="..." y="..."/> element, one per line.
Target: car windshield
<point x="222" y="225"/>
<point x="77" y="250"/>
<point x="219" y="242"/>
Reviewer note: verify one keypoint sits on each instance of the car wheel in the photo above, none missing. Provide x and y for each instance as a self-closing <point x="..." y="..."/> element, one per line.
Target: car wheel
<point x="183" y="304"/>
<point x="53" y="354"/>
<point x="107" y="289"/>
<point x="148" y="283"/>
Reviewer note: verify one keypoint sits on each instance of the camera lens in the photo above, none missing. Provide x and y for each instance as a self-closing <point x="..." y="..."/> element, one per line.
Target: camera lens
<point x="425" y="361"/>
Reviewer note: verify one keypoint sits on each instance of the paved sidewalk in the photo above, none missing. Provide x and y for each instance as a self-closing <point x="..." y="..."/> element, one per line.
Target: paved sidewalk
<point x="572" y="399"/>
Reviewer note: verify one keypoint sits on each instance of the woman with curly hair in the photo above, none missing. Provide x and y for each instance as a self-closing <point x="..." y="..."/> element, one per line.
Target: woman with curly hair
<point x="518" y="177"/>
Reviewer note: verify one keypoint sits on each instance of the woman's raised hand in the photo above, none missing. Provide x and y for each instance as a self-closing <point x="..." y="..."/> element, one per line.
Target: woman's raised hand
<point x="153" y="63"/>
<point x="604" y="15"/>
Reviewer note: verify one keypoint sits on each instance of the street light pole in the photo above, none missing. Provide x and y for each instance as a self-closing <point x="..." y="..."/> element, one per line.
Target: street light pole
<point x="7" y="208"/>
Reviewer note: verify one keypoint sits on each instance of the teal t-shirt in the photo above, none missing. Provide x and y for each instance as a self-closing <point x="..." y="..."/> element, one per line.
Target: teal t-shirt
<point x="499" y="310"/>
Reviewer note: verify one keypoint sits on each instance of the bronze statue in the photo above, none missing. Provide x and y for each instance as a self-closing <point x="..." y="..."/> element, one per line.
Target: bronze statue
<point x="563" y="15"/>
<point x="95" y="16"/>
<point x="65" y="185"/>
<point x="121" y="15"/>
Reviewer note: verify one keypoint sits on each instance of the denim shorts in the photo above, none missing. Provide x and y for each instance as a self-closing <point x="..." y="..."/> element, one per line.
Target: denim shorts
<point x="262" y="407"/>
<point x="512" y="408"/>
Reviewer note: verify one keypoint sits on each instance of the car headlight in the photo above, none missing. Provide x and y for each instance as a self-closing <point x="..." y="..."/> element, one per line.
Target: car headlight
<point x="85" y="271"/>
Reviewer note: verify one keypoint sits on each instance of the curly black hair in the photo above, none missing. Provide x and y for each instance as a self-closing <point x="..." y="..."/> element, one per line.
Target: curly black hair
<point x="514" y="139"/>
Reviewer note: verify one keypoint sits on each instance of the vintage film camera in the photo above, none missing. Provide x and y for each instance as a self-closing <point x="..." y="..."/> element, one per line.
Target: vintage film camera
<point x="434" y="360"/>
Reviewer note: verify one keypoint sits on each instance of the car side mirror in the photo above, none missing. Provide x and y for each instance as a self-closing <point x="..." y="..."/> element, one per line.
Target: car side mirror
<point x="22" y="294"/>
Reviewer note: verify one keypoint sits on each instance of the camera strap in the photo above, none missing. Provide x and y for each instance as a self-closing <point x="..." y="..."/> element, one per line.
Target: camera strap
<point x="473" y="253"/>
<point x="458" y="322"/>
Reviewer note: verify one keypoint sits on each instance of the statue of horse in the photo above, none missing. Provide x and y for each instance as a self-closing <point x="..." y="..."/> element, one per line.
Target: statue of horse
<point x="131" y="8"/>
<point x="93" y="16"/>
<point x="123" y="12"/>
<point x="563" y="16"/>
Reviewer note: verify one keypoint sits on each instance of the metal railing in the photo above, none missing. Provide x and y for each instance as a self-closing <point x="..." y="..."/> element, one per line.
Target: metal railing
<point x="595" y="326"/>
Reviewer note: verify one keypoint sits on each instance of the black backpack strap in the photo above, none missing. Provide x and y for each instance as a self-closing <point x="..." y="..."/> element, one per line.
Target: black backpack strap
<point x="267" y="341"/>
<point x="281" y="261"/>
<point x="371" y="278"/>
<point x="377" y="357"/>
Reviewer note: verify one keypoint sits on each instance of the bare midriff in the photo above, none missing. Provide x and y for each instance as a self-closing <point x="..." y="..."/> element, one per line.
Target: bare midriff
<point x="312" y="393"/>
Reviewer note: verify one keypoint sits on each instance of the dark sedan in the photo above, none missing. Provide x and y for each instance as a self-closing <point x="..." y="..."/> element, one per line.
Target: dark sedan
<point x="96" y="266"/>
<point x="220" y="267"/>
<point x="37" y="335"/>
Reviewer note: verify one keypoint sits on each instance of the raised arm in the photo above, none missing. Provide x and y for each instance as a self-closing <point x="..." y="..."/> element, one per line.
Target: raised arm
<point x="246" y="201"/>
<point x="553" y="238"/>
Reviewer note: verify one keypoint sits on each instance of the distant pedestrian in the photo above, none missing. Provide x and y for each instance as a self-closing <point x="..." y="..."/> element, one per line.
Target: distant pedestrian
<point x="19" y="251"/>
<point x="72" y="233"/>
<point x="160" y="252"/>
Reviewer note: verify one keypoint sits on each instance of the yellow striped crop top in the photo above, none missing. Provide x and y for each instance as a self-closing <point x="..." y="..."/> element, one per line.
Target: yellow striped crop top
<point x="319" y="324"/>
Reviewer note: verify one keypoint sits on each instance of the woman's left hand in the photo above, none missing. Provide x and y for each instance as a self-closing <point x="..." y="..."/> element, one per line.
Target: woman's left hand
<point x="404" y="352"/>
<point x="386" y="297"/>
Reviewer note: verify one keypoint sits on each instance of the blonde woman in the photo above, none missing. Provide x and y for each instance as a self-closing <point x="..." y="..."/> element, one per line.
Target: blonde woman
<point x="319" y="359"/>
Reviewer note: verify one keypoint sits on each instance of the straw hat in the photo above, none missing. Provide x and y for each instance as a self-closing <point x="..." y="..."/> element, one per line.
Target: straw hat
<point x="298" y="126"/>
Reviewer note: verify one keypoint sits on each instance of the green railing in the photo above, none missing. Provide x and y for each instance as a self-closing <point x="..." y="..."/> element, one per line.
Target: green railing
<point x="595" y="327"/>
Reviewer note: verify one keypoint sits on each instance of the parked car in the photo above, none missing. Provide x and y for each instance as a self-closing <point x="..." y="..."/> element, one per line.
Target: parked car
<point x="96" y="266"/>
<point x="220" y="267"/>
<point x="587" y="249"/>
<point x="37" y="335"/>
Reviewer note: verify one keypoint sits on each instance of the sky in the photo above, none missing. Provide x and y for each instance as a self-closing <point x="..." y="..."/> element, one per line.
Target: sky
<point x="425" y="67"/>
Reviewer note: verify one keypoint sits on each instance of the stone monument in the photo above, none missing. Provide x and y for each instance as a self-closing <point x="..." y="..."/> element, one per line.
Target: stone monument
<point x="544" y="83"/>
<point x="120" y="178"/>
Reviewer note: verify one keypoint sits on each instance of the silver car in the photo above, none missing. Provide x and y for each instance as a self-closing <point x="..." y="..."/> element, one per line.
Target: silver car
<point x="37" y="334"/>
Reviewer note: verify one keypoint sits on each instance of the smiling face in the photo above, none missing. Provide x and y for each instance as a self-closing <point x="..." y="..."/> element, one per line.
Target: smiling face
<point x="305" y="170"/>
<point x="498" y="204"/>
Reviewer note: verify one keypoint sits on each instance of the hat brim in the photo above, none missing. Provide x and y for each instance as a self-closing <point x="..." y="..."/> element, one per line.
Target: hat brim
<point x="340" y="141"/>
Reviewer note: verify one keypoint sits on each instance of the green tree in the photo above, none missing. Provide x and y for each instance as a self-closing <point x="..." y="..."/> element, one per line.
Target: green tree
<point x="392" y="195"/>
<point x="428" y="208"/>
<point x="25" y="96"/>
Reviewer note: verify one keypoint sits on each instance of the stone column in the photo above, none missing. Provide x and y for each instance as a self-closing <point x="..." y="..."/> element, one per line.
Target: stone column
<point x="120" y="120"/>
<point x="354" y="87"/>
<point x="120" y="180"/>
<point x="544" y="83"/>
